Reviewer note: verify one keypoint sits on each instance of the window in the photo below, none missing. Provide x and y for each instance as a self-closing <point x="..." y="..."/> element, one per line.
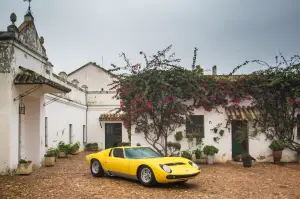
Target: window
<point x="118" y="153"/>
<point x="46" y="131"/>
<point x="84" y="134"/>
<point x="195" y="125"/>
<point x="70" y="134"/>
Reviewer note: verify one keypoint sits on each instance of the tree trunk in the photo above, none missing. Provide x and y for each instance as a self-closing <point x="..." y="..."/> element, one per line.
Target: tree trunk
<point x="166" y="146"/>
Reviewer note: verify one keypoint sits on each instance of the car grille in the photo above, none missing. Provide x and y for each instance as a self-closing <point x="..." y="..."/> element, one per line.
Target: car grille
<point x="175" y="164"/>
<point x="181" y="176"/>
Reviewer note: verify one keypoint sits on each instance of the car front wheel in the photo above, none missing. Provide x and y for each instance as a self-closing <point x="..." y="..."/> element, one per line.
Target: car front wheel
<point x="146" y="176"/>
<point x="96" y="168"/>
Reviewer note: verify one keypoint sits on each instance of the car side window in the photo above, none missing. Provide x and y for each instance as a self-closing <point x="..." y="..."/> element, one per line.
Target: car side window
<point x="118" y="153"/>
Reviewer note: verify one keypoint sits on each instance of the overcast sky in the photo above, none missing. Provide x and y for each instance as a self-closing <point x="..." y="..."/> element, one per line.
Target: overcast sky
<point x="226" y="33"/>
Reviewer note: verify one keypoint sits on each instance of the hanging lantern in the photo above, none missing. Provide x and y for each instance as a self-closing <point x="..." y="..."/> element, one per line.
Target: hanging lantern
<point x="21" y="107"/>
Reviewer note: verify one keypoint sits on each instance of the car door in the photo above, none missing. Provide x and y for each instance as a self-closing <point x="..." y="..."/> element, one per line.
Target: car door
<point x="117" y="164"/>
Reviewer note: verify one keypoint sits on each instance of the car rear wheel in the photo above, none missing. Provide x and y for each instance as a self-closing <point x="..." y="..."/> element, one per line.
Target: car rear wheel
<point x="96" y="169"/>
<point x="146" y="176"/>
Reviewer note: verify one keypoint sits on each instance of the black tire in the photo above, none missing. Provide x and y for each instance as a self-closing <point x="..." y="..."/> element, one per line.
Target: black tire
<point x="146" y="180"/>
<point x="96" y="172"/>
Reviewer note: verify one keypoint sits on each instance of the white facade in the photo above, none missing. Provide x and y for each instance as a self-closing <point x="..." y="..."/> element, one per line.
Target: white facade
<point x="56" y="108"/>
<point x="258" y="145"/>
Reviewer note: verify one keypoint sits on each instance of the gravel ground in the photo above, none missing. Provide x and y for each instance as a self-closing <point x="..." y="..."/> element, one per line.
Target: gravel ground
<point x="71" y="178"/>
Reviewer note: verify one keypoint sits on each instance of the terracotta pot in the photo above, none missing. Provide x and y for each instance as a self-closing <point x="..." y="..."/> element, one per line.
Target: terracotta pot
<point x="277" y="156"/>
<point x="62" y="154"/>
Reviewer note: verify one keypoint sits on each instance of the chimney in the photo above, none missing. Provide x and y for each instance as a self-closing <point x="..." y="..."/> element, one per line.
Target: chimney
<point x="214" y="70"/>
<point x="63" y="75"/>
<point x="75" y="82"/>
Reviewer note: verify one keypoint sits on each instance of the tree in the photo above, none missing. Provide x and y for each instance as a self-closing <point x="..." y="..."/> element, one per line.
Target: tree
<point x="153" y="97"/>
<point x="275" y="92"/>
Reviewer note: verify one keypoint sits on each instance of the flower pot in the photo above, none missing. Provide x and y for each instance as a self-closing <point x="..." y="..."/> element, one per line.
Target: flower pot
<point x="210" y="159"/>
<point x="62" y="154"/>
<point x="247" y="162"/>
<point x="24" y="169"/>
<point x="277" y="156"/>
<point x="49" y="161"/>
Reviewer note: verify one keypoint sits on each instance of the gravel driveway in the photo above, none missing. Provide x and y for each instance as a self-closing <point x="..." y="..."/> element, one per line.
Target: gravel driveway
<point x="71" y="178"/>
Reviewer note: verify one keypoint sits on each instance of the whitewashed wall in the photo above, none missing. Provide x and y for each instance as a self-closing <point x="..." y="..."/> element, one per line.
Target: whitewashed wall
<point x="60" y="114"/>
<point x="92" y="76"/>
<point x="102" y="99"/>
<point x="258" y="146"/>
<point x="5" y="121"/>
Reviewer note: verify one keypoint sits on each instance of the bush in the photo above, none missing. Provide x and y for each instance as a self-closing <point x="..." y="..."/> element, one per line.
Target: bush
<point x="75" y="147"/>
<point x="51" y="152"/>
<point x="277" y="145"/>
<point x="210" y="150"/>
<point x="178" y="136"/>
<point x="91" y="146"/>
<point x="198" y="153"/>
<point x="64" y="147"/>
<point x="124" y="144"/>
<point x="174" y="145"/>
<point x="138" y="144"/>
<point x="186" y="154"/>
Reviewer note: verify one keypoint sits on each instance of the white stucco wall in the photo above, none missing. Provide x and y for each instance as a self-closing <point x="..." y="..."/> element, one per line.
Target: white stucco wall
<point x="92" y="76"/>
<point x="258" y="146"/>
<point x="60" y="114"/>
<point x="5" y="110"/>
<point x="102" y="99"/>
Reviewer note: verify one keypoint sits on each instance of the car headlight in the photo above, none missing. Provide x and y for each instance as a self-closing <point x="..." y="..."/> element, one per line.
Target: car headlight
<point x="194" y="165"/>
<point x="165" y="168"/>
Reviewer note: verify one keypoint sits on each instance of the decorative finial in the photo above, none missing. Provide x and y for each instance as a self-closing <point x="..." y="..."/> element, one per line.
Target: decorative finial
<point x="29" y="7"/>
<point x="42" y="40"/>
<point x="13" y="18"/>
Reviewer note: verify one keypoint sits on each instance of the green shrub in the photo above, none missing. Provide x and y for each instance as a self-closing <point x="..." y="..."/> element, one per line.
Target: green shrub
<point x="277" y="145"/>
<point x="210" y="150"/>
<point x="75" y="147"/>
<point x="178" y="136"/>
<point x="64" y="147"/>
<point x="51" y="152"/>
<point x="186" y="154"/>
<point x="198" y="153"/>
<point x="124" y="144"/>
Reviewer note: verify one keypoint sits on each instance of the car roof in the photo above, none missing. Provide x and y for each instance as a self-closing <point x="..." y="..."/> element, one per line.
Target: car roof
<point x="126" y="147"/>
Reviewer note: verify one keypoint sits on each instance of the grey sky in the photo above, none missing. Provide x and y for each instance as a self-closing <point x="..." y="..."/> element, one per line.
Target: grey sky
<point x="226" y="32"/>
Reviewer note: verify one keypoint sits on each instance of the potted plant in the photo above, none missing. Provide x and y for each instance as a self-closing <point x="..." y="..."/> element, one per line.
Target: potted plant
<point x="247" y="160"/>
<point x="91" y="147"/>
<point x="24" y="167"/>
<point x="49" y="157"/>
<point x="277" y="146"/>
<point x="197" y="154"/>
<point x="64" y="149"/>
<point x="75" y="148"/>
<point x="210" y="151"/>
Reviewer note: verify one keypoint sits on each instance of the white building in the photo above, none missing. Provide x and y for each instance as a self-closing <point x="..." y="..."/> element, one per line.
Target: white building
<point x="67" y="107"/>
<point x="64" y="107"/>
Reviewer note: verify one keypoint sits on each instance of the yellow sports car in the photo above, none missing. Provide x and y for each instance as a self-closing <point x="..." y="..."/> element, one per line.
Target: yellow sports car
<point x="143" y="164"/>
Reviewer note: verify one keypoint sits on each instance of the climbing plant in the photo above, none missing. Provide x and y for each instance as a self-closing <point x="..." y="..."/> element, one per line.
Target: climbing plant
<point x="154" y="96"/>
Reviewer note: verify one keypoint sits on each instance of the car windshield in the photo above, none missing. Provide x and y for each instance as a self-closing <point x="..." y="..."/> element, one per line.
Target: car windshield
<point x="141" y="153"/>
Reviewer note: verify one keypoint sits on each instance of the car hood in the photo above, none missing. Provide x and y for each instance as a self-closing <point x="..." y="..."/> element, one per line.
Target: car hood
<point x="178" y="165"/>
